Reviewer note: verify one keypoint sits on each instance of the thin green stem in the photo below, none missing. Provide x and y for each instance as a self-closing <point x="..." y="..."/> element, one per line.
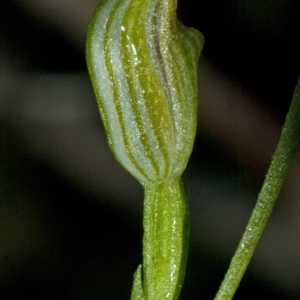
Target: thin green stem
<point x="274" y="180"/>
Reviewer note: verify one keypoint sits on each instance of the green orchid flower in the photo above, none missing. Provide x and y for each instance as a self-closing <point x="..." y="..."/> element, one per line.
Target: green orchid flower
<point x="143" y="65"/>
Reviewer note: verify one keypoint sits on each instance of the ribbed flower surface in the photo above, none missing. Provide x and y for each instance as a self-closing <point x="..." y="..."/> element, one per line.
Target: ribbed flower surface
<point x="143" y="66"/>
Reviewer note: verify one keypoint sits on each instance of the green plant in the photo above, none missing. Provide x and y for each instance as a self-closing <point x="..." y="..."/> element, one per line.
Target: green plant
<point x="143" y="65"/>
<point x="146" y="87"/>
<point x="274" y="180"/>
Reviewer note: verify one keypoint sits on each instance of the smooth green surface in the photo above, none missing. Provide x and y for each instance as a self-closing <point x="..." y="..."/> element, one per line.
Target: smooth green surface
<point x="269" y="193"/>
<point x="143" y="65"/>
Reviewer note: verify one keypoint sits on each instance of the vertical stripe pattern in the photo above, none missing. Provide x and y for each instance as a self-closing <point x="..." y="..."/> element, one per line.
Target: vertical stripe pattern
<point x="143" y="66"/>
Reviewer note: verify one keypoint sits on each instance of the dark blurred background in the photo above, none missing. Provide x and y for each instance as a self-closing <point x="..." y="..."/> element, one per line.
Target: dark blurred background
<point x="71" y="217"/>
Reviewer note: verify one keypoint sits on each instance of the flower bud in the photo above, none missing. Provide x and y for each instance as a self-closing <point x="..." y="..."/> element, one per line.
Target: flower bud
<point x="143" y="66"/>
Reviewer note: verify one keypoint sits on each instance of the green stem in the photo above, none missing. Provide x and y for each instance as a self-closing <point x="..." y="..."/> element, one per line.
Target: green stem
<point x="274" y="180"/>
<point x="165" y="242"/>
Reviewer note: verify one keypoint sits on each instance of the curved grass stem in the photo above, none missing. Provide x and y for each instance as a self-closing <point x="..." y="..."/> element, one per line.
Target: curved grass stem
<point x="274" y="180"/>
